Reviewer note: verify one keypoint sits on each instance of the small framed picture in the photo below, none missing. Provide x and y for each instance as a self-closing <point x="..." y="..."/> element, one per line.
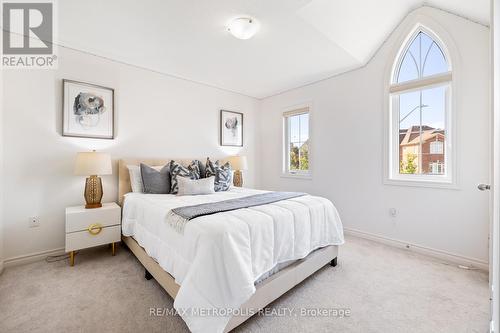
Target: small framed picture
<point x="88" y="110"/>
<point x="231" y="128"/>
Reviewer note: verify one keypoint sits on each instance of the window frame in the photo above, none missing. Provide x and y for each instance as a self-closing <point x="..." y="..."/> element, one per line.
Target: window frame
<point x="287" y="113"/>
<point x="392" y="92"/>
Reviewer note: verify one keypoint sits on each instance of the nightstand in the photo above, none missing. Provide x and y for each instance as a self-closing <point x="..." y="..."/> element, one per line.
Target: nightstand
<point x="92" y="227"/>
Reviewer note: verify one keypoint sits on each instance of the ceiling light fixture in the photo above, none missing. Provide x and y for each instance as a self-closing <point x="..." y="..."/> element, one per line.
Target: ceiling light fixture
<point x="243" y="27"/>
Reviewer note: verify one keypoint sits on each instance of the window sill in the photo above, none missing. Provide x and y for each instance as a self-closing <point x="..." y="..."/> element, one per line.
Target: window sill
<point x="437" y="184"/>
<point x="296" y="176"/>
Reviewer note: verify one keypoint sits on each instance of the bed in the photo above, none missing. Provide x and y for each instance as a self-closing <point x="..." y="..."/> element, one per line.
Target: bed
<point x="225" y="267"/>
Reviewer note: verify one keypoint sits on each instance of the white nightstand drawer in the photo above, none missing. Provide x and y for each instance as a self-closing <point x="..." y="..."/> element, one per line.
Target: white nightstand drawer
<point x="84" y="239"/>
<point x="79" y="218"/>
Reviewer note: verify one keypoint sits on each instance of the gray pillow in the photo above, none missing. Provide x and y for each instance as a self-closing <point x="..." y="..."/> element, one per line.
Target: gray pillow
<point x="154" y="181"/>
<point x="223" y="175"/>
<point x="192" y="171"/>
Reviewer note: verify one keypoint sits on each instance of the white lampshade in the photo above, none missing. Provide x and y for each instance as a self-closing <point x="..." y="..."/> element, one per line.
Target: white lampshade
<point x="243" y="27"/>
<point x="238" y="162"/>
<point x="92" y="163"/>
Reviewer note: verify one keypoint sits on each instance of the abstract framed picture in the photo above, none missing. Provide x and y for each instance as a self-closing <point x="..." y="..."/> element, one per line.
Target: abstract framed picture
<point x="231" y="128"/>
<point x="88" y="110"/>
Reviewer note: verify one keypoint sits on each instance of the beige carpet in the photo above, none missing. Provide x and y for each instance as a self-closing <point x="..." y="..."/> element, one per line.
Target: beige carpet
<point x="386" y="290"/>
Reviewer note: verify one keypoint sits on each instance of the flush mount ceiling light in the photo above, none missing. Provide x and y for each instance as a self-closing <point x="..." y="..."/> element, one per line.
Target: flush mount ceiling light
<point x="243" y="27"/>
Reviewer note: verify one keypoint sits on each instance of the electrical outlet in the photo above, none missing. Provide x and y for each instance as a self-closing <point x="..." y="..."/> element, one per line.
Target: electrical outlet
<point x="34" y="221"/>
<point x="393" y="212"/>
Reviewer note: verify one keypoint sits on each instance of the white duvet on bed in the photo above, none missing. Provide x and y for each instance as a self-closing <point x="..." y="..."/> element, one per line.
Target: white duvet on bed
<point x="219" y="257"/>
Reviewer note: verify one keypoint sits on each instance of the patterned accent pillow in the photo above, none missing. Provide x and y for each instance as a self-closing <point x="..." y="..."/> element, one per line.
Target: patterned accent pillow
<point x="223" y="175"/>
<point x="192" y="171"/>
<point x="201" y="166"/>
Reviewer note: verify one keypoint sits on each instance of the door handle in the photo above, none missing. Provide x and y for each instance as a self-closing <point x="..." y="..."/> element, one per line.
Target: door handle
<point x="483" y="187"/>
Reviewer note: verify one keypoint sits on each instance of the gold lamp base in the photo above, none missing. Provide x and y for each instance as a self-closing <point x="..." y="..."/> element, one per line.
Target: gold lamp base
<point x="238" y="178"/>
<point x="93" y="192"/>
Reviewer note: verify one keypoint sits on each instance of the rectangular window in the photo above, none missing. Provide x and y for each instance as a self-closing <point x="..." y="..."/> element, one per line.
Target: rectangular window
<point x="437" y="147"/>
<point x="421" y="123"/>
<point x="297" y="142"/>
<point x="420" y="135"/>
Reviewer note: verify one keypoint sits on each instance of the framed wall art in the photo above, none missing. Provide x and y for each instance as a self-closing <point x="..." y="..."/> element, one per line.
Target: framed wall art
<point x="231" y="128"/>
<point x="88" y="110"/>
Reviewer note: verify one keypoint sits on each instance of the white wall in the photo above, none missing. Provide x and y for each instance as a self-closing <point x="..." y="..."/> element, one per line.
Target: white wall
<point x="347" y="149"/>
<point x="156" y="116"/>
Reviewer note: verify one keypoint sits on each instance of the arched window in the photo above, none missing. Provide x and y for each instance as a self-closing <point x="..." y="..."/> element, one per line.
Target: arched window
<point x="423" y="57"/>
<point x="420" y="111"/>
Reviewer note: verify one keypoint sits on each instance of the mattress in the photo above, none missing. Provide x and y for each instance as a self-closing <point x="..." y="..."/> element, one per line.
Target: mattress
<point x="218" y="259"/>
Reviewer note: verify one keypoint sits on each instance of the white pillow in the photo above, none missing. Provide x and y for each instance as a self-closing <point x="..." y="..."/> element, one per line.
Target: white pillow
<point x="136" y="178"/>
<point x="189" y="186"/>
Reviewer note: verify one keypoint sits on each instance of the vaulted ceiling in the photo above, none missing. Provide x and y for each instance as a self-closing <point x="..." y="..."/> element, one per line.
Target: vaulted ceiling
<point x="299" y="42"/>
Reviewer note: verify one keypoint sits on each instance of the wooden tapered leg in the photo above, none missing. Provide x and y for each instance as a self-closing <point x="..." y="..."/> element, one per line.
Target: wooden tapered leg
<point x="72" y="258"/>
<point x="113" y="249"/>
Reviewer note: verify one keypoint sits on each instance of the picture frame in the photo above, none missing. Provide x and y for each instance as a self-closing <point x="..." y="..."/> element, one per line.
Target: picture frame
<point x="88" y="110"/>
<point x="231" y="128"/>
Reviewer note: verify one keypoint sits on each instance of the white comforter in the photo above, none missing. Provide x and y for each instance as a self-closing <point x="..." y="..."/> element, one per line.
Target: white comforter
<point x="219" y="257"/>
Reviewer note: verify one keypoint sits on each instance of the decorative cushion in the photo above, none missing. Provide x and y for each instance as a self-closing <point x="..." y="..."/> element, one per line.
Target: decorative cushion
<point x="192" y="171"/>
<point x="134" y="172"/>
<point x="222" y="174"/>
<point x="194" y="187"/>
<point x="201" y="167"/>
<point x="155" y="181"/>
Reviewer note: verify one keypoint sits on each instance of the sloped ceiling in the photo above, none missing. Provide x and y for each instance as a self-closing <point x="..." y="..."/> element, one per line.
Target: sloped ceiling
<point x="300" y="41"/>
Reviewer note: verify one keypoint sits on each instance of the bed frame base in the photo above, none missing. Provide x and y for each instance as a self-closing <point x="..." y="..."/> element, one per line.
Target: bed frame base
<point x="267" y="291"/>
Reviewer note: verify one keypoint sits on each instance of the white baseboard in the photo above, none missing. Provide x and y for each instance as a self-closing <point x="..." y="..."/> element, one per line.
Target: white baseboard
<point x="439" y="254"/>
<point x="32" y="257"/>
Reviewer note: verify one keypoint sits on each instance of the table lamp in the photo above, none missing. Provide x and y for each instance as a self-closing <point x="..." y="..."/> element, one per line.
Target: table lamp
<point x="93" y="164"/>
<point x="238" y="163"/>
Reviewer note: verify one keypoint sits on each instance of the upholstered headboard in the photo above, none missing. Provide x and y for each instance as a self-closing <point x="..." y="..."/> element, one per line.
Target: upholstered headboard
<point x="124" y="186"/>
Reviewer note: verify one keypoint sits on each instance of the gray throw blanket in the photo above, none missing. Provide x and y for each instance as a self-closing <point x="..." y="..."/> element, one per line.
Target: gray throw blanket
<point x="179" y="216"/>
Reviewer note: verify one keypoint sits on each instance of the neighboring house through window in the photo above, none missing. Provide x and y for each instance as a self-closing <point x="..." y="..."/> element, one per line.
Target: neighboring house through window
<point x="296" y="142"/>
<point x="420" y="111"/>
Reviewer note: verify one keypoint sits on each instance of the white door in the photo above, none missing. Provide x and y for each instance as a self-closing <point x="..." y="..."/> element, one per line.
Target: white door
<point x="495" y="197"/>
